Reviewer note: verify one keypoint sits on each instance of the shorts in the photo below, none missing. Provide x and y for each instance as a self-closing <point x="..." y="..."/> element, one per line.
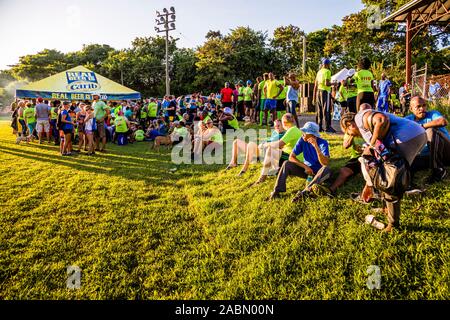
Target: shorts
<point x="31" y="127"/>
<point x="227" y="104"/>
<point x="365" y="97"/>
<point x="354" y="165"/>
<point x="271" y="104"/>
<point x="43" y="126"/>
<point x="280" y="105"/>
<point x="88" y="132"/>
<point x="248" y="104"/>
<point x="100" y="133"/>
<point x="67" y="131"/>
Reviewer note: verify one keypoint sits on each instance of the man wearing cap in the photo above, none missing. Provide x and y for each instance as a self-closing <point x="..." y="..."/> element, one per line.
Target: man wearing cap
<point x="100" y="115"/>
<point x="322" y="96"/>
<point x="43" y="119"/>
<point x="316" y="155"/>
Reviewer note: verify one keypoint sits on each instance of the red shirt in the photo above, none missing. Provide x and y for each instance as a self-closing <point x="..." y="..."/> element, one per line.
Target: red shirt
<point x="226" y="93"/>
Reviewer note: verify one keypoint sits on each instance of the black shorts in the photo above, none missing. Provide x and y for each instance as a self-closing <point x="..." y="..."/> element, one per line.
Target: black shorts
<point x="365" y="97"/>
<point x="343" y="104"/>
<point x="68" y="131"/>
<point x="280" y="105"/>
<point x="227" y="104"/>
<point x="354" y="165"/>
<point x="248" y="104"/>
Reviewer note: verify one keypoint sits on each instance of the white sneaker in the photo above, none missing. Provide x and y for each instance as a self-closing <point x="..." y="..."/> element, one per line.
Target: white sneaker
<point x="273" y="172"/>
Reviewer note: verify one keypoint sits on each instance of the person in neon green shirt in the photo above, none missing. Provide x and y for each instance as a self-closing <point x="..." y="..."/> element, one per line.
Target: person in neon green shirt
<point x="139" y="135"/>
<point x="352" y="91"/>
<point x="322" y="97"/>
<point x="152" y="110"/>
<point x="180" y="133"/>
<point x="30" y="118"/>
<point x="277" y="152"/>
<point x="248" y="94"/>
<point x="240" y="101"/>
<point x="343" y="96"/>
<point x="364" y="82"/>
<point x="209" y="137"/>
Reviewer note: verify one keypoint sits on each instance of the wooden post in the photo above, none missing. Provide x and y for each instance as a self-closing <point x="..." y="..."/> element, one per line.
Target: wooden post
<point x="408" y="48"/>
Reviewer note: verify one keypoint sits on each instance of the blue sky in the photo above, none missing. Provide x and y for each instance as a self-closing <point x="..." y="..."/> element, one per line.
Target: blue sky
<point x="29" y="26"/>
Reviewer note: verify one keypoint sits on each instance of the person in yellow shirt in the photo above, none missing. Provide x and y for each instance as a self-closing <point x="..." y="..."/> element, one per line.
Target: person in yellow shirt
<point x="272" y="90"/>
<point x="322" y="97"/>
<point x="364" y="82"/>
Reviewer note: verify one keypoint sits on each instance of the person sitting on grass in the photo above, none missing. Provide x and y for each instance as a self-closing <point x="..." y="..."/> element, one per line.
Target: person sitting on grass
<point x="139" y="135"/>
<point x="207" y="136"/>
<point x="436" y="153"/>
<point x="159" y="131"/>
<point x="179" y="134"/>
<point x="353" y="166"/>
<point x="251" y="149"/>
<point x="227" y="121"/>
<point x="277" y="152"/>
<point x="315" y="168"/>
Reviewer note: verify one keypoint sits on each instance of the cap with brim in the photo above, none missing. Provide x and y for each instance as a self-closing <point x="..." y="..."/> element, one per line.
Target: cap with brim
<point x="311" y="128"/>
<point x="227" y="110"/>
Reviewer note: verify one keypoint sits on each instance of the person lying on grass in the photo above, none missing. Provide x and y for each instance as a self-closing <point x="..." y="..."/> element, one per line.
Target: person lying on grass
<point x="277" y="152"/>
<point x="251" y="149"/>
<point x="315" y="168"/>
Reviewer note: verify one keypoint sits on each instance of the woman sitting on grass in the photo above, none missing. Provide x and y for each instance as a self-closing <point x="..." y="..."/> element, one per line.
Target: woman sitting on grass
<point x="251" y="149"/>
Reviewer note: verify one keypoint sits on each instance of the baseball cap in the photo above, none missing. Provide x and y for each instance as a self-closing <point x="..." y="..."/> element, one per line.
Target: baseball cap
<point x="249" y="82"/>
<point x="311" y="128"/>
<point x="326" y="61"/>
<point x="227" y="110"/>
<point x="40" y="99"/>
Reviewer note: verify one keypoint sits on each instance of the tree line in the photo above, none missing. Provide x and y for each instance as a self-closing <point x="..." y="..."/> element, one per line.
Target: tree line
<point x="243" y="54"/>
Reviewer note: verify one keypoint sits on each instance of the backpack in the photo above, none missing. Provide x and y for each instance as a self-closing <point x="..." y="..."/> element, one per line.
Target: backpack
<point x="392" y="175"/>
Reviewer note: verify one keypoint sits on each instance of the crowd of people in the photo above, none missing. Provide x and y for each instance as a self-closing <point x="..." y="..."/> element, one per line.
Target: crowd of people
<point x="373" y="129"/>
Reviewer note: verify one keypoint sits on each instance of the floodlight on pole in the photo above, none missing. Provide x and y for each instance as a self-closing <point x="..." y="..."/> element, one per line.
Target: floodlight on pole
<point x="166" y="19"/>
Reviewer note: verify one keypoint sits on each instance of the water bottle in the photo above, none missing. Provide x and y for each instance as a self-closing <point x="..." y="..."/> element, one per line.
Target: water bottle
<point x="370" y="219"/>
<point x="308" y="180"/>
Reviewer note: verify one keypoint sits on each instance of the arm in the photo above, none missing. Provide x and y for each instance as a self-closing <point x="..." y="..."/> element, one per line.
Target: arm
<point x="323" y="159"/>
<point x="281" y="87"/>
<point x="437" y="123"/>
<point x="348" y="141"/>
<point x="293" y="159"/>
<point x="380" y="123"/>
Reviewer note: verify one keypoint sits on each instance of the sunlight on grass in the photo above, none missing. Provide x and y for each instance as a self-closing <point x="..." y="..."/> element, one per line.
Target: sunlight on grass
<point x="138" y="230"/>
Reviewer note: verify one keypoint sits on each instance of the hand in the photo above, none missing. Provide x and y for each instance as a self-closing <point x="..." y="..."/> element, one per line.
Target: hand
<point x="367" y="193"/>
<point x="312" y="140"/>
<point x="441" y="122"/>
<point x="309" y="171"/>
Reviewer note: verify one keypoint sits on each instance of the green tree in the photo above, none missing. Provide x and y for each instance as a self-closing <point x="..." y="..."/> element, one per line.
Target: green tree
<point x="288" y="41"/>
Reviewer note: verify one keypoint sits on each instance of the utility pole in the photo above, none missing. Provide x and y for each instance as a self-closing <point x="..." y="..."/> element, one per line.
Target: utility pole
<point x="167" y="20"/>
<point x="304" y="56"/>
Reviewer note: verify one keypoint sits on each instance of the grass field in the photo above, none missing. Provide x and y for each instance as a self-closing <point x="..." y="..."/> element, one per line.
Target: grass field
<point x="138" y="230"/>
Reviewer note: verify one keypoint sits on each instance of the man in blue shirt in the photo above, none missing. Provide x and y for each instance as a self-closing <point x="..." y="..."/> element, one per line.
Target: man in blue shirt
<point x="383" y="93"/>
<point x="315" y="168"/>
<point x="436" y="153"/>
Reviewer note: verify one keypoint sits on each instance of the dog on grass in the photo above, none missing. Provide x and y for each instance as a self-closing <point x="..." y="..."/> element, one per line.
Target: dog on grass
<point x="162" y="141"/>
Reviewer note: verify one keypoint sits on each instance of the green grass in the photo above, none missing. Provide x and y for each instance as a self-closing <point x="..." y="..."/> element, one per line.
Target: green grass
<point x="138" y="231"/>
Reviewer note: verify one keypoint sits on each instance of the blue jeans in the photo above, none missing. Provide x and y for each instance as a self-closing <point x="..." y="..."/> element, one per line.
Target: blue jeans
<point x="383" y="104"/>
<point x="24" y="126"/>
<point x="292" y="105"/>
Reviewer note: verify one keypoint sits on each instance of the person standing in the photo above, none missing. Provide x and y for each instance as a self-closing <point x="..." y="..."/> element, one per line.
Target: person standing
<point x="67" y="127"/>
<point x="256" y="99"/>
<point x="363" y="79"/>
<point x="240" y="100"/>
<point x="22" y="123"/>
<point x="81" y="118"/>
<point x="227" y="96"/>
<point x="292" y="96"/>
<point x="43" y="119"/>
<point x="100" y="111"/>
<point x="322" y="97"/>
<point x="272" y="90"/>
<point x="29" y="116"/>
<point x="433" y="89"/>
<point x="384" y="90"/>
<point x="262" y="97"/>
<point x="248" y="94"/>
